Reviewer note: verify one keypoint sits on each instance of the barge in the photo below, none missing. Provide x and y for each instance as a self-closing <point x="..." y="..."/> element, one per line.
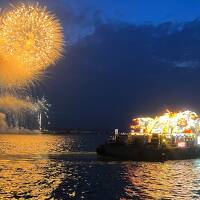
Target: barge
<point x="172" y="136"/>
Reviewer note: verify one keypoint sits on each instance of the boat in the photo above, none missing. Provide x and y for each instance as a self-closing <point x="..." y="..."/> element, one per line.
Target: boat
<point x="172" y="136"/>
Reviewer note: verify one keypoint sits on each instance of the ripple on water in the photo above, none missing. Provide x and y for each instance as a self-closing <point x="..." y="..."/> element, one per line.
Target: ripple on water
<point x="87" y="177"/>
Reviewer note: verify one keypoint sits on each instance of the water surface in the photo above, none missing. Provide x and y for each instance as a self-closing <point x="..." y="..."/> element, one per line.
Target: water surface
<point x="66" y="167"/>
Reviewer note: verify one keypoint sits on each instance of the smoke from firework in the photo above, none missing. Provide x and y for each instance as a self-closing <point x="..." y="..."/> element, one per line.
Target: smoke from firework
<point x="23" y="112"/>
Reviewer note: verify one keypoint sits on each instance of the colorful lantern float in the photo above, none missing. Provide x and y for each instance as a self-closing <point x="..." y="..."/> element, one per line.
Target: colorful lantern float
<point x="181" y="129"/>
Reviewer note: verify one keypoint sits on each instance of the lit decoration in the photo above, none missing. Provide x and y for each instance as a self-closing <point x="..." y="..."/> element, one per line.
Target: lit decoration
<point x="186" y="122"/>
<point x="180" y="129"/>
<point x="181" y="144"/>
<point x="31" y="40"/>
<point x="198" y="139"/>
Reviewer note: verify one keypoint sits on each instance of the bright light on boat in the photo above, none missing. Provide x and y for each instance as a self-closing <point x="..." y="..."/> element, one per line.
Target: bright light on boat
<point x="171" y="123"/>
<point x="181" y="144"/>
<point x="198" y="139"/>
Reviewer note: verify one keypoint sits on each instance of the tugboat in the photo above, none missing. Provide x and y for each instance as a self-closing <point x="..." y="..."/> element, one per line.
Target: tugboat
<point x="172" y="136"/>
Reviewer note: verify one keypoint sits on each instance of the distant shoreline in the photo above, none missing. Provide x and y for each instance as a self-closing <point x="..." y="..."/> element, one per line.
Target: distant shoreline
<point x="49" y="132"/>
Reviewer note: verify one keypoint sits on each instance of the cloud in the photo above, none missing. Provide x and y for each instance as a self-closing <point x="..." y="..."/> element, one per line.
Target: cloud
<point x="77" y="21"/>
<point x="78" y="24"/>
<point x="186" y="64"/>
<point x="123" y="70"/>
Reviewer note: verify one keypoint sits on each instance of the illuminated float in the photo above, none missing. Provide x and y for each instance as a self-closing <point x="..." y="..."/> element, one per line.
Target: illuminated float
<point x="170" y="136"/>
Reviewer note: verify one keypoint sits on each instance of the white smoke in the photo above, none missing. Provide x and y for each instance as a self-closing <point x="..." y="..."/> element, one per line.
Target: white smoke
<point x="4" y="128"/>
<point x="3" y="123"/>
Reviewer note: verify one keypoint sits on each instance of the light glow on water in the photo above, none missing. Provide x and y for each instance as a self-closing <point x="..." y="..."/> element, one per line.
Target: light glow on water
<point x="168" y="180"/>
<point x="87" y="177"/>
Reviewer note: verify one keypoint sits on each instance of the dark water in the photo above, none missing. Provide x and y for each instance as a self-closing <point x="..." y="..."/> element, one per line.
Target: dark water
<point x="66" y="167"/>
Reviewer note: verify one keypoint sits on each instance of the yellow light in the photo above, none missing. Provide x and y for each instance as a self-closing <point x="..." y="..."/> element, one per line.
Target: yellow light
<point x="170" y="123"/>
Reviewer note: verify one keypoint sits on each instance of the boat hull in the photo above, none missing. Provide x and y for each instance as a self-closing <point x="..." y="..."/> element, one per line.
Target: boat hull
<point x="130" y="152"/>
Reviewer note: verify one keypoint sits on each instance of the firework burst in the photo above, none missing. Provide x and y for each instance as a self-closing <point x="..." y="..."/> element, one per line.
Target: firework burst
<point x="13" y="75"/>
<point x="31" y="40"/>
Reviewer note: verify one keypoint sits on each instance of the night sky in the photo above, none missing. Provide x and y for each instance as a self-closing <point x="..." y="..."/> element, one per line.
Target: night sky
<point x="123" y="58"/>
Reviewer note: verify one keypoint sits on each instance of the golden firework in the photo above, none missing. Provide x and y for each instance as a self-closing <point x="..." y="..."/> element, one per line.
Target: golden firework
<point x="32" y="35"/>
<point x="14" y="75"/>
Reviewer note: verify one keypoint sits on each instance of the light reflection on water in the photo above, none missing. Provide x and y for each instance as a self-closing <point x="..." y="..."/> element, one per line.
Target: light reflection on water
<point x="169" y="180"/>
<point x="25" y="179"/>
<point x="31" y="144"/>
<point x="85" y="176"/>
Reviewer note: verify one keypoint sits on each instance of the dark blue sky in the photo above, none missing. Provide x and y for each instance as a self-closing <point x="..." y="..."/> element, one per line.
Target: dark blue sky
<point x="80" y="16"/>
<point x="140" y="11"/>
<point x="124" y="11"/>
<point x="115" y="67"/>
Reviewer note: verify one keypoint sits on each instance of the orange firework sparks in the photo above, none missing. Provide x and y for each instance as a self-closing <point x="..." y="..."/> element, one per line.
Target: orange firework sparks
<point x="14" y="75"/>
<point x="31" y="40"/>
